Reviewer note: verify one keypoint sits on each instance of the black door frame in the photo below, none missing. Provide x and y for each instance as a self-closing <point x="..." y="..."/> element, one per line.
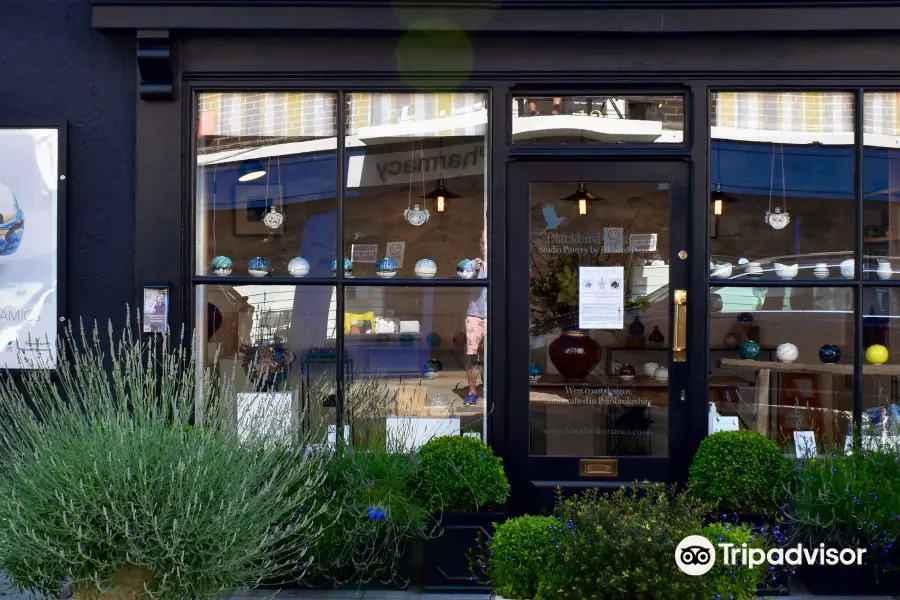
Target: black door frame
<point x="544" y="474"/>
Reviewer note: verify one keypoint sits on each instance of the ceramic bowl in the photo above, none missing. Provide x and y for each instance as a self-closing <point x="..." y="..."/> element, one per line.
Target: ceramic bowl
<point x="848" y="268"/>
<point x="650" y="369"/>
<point x="722" y="271"/>
<point x="786" y="271"/>
<point x="661" y="374"/>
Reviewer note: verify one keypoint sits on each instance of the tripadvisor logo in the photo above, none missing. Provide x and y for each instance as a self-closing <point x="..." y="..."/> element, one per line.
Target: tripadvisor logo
<point x="696" y="555"/>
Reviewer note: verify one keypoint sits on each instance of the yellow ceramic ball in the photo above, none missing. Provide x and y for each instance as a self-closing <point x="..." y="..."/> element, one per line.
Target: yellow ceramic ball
<point x="877" y="354"/>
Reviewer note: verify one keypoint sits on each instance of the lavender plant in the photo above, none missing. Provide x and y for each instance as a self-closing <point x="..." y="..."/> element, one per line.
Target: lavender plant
<point x="103" y="481"/>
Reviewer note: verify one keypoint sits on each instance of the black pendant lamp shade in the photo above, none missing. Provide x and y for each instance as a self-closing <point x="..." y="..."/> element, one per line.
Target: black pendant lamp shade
<point x="440" y="195"/>
<point x="250" y="170"/>
<point x="582" y="198"/>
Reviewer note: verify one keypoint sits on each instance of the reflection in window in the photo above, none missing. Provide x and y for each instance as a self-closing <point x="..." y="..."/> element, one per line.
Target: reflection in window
<point x="881" y="208"/>
<point x="598" y="119"/>
<point x="415" y="188"/>
<point x="781" y="175"/>
<point x="782" y="362"/>
<point x="266" y="177"/>
<point x="427" y="345"/>
<point x="881" y="375"/>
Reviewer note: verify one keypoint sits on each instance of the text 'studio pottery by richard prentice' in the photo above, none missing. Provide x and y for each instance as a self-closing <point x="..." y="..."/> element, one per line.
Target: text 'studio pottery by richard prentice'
<point x="574" y="353"/>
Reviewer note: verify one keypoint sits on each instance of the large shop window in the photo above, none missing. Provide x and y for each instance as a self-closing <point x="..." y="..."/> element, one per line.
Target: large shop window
<point x="404" y="200"/>
<point x="791" y="297"/>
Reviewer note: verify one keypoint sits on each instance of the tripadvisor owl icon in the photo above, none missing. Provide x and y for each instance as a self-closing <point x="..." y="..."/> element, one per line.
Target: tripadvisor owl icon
<point x="695" y="555"/>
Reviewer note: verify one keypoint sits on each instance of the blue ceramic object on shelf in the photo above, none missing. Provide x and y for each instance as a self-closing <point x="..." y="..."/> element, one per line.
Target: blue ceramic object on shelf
<point x="12" y="222"/>
<point x="348" y="267"/>
<point x="407" y="338"/>
<point x="258" y="266"/>
<point x="221" y="266"/>
<point x="534" y="373"/>
<point x="745" y="318"/>
<point x="749" y="350"/>
<point x="386" y="268"/>
<point x="433" y="339"/>
<point x="830" y="354"/>
<point x="298" y="267"/>
<point x="432" y="368"/>
<point x="466" y="268"/>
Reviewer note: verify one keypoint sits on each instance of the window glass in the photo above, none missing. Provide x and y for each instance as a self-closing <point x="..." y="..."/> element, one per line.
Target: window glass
<point x="598" y="119"/>
<point x="415" y="195"/>
<point x="781" y="362"/>
<point x="782" y="195"/>
<point x="881" y="209"/>
<point x="881" y="373"/>
<point x="266" y="184"/>
<point x="427" y="346"/>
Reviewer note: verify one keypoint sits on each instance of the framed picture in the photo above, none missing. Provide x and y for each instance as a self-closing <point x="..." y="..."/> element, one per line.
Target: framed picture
<point x="251" y="203"/>
<point x="155" y="303"/>
<point x="32" y="244"/>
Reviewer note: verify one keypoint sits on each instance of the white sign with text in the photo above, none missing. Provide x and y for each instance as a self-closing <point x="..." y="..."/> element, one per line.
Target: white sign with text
<point x="601" y="297"/>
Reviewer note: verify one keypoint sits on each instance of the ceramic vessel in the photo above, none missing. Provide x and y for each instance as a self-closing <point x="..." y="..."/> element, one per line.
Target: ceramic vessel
<point x="830" y="354"/>
<point x="884" y="270"/>
<point x="432" y="368"/>
<point x="661" y="374"/>
<point x="848" y="268"/>
<point x="716" y="304"/>
<point x="273" y="218"/>
<point x="637" y="327"/>
<point x="656" y="338"/>
<point x="786" y="271"/>
<point x="386" y="268"/>
<point x="534" y="373"/>
<point x="732" y="340"/>
<point x="221" y="266"/>
<point x="753" y="270"/>
<point x="12" y="222"/>
<point x="298" y="267"/>
<point x="574" y="353"/>
<point x="433" y="339"/>
<point x="650" y="368"/>
<point x="407" y="338"/>
<point x="426" y="268"/>
<point x="742" y="261"/>
<point x="615" y="368"/>
<point x="778" y="219"/>
<point x="786" y="353"/>
<point x="821" y="271"/>
<point x="745" y="317"/>
<point x="722" y="271"/>
<point x="877" y="354"/>
<point x="749" y="350"/>
<point x="416" y="216"/>
<point x="627" y="373"/>
<point x="466" y="268"/>
<point x="258" y="266"/>
<point x="348" y="267"/>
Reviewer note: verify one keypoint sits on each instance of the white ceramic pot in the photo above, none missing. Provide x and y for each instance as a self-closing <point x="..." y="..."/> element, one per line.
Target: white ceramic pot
<point x="785" y="271"/>
<point x="298" y="267"/>
<point x="786" y="353"/>
<point x="848" y="268"/>
<point x="426" y="269"/>
<point x="884" y="270"/>
<point x="650" y="369"/>
<point x="821" y="271"/>
<point x="753" y="269"/>
<point x="722" y="271"/>
<point x="662" y="374"/>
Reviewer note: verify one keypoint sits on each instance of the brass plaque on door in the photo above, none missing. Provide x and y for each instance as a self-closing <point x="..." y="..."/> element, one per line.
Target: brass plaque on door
<point x="592" y="467"/>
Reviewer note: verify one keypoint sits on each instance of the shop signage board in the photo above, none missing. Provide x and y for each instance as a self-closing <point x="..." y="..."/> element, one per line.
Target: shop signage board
<point x="601" y="297"/>
<point x="364" y="253"/>
<point x="29" y="256"/>
<point x="642" y="242"/>
<point x="395" y="251"/>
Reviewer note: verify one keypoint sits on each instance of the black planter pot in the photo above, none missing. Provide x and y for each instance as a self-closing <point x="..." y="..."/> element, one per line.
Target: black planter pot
<point x="840" y="580"/>
<point x="445" y="564"/>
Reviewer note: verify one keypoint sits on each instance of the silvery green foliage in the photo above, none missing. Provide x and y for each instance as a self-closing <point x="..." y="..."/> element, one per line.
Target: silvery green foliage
<point x="99" y="468"/>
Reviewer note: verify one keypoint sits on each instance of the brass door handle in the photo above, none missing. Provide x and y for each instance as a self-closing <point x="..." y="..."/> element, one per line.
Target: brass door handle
<point x="679" y="336"/>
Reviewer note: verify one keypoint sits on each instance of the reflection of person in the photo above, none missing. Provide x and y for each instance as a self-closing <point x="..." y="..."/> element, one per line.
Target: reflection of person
<point x="556" y="110"/>
<point x="476" y="326"/>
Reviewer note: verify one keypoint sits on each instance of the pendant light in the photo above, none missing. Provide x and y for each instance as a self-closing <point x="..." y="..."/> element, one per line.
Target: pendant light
<point x="582" y="198"/>
<point x="440" y="195"/>
<point x="718" y="200"/>
<point x="251" y="170"/>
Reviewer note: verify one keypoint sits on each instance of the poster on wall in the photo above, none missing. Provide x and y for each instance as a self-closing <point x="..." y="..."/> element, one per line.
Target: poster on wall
<point x="30" y="199"/>
<point x="601" y="297"/>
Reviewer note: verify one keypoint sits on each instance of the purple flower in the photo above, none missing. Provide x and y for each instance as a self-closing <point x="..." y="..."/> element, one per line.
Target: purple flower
<point x="376" y="513"/>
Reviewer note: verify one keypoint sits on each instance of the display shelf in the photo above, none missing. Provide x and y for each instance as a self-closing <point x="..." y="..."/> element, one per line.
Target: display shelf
<point x="555" y="381"/>
<point x="813" y="368"/>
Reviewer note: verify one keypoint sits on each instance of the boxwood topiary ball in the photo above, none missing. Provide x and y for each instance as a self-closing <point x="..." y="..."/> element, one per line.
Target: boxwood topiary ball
<point x="460" y="473"/>
<point x="740" y="471"/>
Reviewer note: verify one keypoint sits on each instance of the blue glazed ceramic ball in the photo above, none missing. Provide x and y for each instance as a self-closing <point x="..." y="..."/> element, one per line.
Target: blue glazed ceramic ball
<point x="830" y="354"/>
<point x="432" y="368"/>
<point x="386" y="267"/>
<point x="749" y="350"/>
<point x="258" y="266"/>
<point x="221" y="265"/>
<point x="433" y="339"/>
<point x="348" y="267"/>
<point x="535" y="371"/>
<point x="465" y="268"/>
<point x="745" y="318"/>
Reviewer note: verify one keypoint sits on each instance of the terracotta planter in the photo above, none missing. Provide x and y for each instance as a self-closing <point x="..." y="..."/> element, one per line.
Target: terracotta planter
<point x="574" y="354"/>
<point x="128" y="584"/>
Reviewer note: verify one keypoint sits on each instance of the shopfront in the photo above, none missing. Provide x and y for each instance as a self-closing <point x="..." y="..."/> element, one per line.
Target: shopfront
<point x="588" y="235"/>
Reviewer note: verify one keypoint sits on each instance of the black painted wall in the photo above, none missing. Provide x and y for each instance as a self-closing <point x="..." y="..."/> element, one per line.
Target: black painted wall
<point x="54" y="67"/>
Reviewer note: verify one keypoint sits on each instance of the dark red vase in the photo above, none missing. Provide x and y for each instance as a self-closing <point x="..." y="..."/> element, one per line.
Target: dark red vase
<point x="574" y="354"/>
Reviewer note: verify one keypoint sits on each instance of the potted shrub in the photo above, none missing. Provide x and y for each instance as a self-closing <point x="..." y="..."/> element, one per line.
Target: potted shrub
<point x="104" y="489"/>
<point x="520" y="554"/>
<point x="739" y="473"/>
<point x="462" y="483"/>
<point x="739" y="582"/>
<point x="847" y="501"/>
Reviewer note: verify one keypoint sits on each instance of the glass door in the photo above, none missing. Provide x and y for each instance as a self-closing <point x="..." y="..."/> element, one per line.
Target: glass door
<point x="600" y="251"/>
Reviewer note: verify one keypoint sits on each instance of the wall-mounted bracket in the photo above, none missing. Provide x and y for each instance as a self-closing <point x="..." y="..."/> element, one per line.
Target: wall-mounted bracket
<point x="154" y="59"/>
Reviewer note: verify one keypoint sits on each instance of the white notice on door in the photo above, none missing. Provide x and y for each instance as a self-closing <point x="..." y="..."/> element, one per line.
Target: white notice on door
<point x="601" y="297"/>
<point x="642" y="242"/>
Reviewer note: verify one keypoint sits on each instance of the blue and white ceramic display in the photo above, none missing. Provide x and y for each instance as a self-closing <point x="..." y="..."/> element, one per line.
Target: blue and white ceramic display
<point x="348" y="267"/>
<point x="830" y="354"/>
<point x="426" y="269"/>
<point x="221" y="266"/>
<point x="298" y="267"/>
<point x="466" y="268"/>
<point x="12" y="222"/>
<point x="432" y="368"/>
<point x="416" y="216"/>
<point x="258" y="266"/>
<point x="386" y="268"/>
<point x="534" y="373"/>
<point x="749" y="350"/>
